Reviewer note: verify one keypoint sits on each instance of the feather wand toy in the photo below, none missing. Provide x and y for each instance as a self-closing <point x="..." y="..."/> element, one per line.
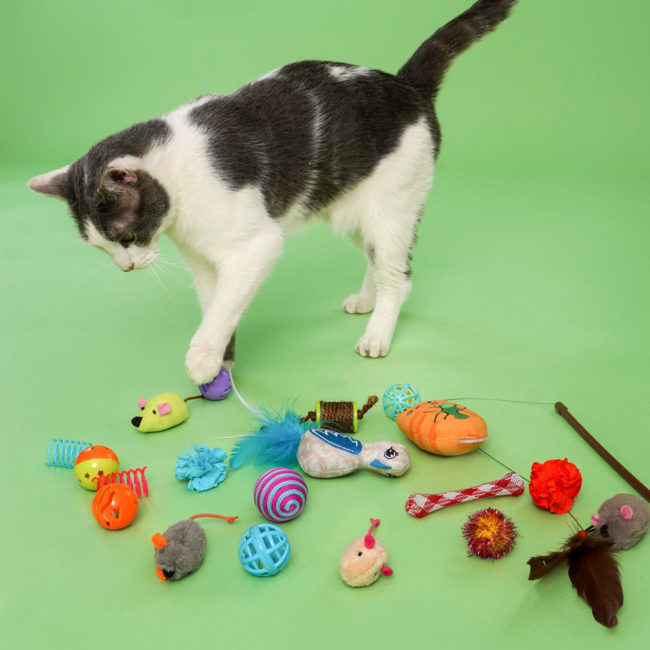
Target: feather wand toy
<point x="602" y="452"/>
<point x="593" y="571"/>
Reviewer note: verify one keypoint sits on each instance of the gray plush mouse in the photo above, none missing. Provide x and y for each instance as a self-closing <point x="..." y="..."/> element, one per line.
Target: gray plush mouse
<point x="622" y="520"/>
<point x="180" y="550"/>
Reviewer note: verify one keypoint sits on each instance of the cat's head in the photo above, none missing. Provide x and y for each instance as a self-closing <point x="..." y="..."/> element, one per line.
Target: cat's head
<point x="117" y="206"/>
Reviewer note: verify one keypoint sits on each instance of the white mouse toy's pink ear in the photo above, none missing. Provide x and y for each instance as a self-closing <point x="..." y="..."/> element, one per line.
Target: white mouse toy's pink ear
<point x="627" y="512"/>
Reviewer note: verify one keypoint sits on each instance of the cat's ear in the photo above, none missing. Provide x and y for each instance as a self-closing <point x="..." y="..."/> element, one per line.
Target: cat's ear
<point x="54" y="183"/>
<point x="117" y="180"/>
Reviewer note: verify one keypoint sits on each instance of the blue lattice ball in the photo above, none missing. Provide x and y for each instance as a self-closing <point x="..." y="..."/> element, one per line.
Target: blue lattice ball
<point x="398" y="398"/>
<point x="264" y="550"/>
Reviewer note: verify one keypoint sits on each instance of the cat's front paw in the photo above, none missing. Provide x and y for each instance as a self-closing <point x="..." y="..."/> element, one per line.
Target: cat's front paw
<point x="358" y="303"/>
<point x="203" y="363"/>
<point x="370" y="345"/>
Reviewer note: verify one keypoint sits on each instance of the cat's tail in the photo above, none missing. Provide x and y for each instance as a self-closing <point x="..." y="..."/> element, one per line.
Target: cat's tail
<point x="426" y="68"/>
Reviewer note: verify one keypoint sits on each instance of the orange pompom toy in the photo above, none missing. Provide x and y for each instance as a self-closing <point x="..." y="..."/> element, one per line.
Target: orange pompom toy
<point x="443" y="428"/>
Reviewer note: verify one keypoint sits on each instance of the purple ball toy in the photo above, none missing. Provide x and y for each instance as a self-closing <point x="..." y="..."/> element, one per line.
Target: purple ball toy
<point x="280" y="494"/>
<point x="218" y="388"/>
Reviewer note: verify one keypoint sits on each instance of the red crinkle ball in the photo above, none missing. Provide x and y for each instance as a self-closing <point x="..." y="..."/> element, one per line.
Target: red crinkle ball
<point x="554" y="485"/>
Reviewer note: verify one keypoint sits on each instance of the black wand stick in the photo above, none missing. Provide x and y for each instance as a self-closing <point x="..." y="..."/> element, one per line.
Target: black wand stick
<point x="602" y="452"/>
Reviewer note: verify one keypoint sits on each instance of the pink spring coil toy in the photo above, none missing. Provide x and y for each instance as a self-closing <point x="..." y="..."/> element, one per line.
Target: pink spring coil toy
<point x="133" y="478"/>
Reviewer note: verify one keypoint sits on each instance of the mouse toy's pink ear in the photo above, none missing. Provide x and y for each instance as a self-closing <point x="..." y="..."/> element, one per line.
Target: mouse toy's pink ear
<point x="164" y="408"/>
<point x="142" y="402"/>
<point x="369" y="540"/>
<point x="595" y="519"/>
<point x="627" y="512"/>
<point x="386" y="571"/>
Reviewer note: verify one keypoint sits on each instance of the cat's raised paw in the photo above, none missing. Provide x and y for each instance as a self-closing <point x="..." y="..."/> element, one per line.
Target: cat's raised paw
<point x="372" y="346"/>
<point x="203" y="363"/>
<point x="357" y="303"/>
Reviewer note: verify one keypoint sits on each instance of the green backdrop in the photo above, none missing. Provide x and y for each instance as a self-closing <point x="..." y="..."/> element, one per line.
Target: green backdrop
<point x="530" y="283"/>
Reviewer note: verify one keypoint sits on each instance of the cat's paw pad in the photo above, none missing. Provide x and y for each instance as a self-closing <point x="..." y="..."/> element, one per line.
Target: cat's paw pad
<point x="203" y="363"/>
<point x="372" y="346"/>
<point x="357" y="303"/>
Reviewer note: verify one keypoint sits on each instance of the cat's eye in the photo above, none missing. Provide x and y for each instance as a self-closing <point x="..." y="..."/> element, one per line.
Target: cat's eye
<point x="127" y="239"/>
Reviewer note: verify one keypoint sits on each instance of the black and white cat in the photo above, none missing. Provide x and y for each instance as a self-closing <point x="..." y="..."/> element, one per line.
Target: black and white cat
<point x="229" y="177"/>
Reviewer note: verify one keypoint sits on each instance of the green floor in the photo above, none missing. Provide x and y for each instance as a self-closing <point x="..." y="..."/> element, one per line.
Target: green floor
<point x="530" y="283"/>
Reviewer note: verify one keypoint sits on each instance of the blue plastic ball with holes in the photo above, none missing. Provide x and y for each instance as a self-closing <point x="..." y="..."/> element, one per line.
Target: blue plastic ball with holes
<point x="264" y="550"/>
<point x="398" y="398"/>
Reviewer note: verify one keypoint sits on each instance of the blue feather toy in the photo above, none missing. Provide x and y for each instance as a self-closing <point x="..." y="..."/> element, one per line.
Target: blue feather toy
<point x="275" y="443"/>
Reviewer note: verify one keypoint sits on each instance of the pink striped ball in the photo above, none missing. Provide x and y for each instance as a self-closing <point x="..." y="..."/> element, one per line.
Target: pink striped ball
<point x="280" y="494"/>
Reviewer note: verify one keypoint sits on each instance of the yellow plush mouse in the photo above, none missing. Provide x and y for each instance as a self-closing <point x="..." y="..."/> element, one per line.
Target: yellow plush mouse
<point x="161" y="412"/>
<point x="364" y="560"/>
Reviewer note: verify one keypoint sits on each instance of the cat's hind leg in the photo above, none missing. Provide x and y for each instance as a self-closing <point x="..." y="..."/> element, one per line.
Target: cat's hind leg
<point x="391" y="272"/>
<point x="388" y="206"/>
<point x="364" y="301"/>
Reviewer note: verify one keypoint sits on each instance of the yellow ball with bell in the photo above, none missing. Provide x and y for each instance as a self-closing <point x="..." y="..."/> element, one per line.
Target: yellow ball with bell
<point x="94" y="462"/>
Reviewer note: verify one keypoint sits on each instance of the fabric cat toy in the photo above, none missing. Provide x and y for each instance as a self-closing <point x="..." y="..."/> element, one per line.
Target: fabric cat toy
<point x="364" y="560"/>
<point x="593" y="569"/>
<point x="167" y="410"/>
<point x="180" y="549"/>
<point x="282" y="440"/>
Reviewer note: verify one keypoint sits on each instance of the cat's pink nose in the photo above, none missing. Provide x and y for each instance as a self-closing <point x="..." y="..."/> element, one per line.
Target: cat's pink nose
<point x="129" y="269"/>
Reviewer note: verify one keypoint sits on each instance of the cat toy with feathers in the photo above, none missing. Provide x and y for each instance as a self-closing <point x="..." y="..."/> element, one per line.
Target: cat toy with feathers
<point x="284" y="439"/>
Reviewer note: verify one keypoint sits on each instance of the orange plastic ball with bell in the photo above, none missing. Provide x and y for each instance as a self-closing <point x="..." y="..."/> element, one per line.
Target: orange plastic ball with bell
<point x="94" y="462"/>
<point x="115" y="506"/>
<point x="443" y="428"/>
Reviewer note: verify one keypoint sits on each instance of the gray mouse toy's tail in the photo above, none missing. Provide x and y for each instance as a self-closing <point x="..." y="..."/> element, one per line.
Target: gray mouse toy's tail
<point x="426" y="68"/>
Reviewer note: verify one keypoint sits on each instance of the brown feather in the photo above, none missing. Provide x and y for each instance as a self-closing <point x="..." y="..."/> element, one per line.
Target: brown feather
<point x="594" y="572"/>
<point x="540" y="565"/>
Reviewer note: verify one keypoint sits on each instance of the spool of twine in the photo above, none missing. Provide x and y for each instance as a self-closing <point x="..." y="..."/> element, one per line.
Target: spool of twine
<point x="339" y="416"/>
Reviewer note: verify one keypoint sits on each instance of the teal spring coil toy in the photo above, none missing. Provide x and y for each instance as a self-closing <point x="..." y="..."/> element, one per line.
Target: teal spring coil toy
<point x="398" y="398"/>
<point x="63" y="453"/>
<point x="264" y="550"/>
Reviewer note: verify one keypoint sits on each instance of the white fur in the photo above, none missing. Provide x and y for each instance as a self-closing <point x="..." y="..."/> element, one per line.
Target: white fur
<point x="345" y="73"/>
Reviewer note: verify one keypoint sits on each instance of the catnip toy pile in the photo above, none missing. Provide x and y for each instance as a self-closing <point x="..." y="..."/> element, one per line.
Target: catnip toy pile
<point x="322" y="446"/>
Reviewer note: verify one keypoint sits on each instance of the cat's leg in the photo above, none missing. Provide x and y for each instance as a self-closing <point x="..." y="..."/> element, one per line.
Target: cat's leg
<point x="364" y="301"/>
<point x="240" y="273"/>
<point x="393" y="285"/>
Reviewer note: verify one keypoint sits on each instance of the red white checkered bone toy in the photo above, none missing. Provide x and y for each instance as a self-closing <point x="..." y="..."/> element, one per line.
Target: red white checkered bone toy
<point x="419" y="505"/>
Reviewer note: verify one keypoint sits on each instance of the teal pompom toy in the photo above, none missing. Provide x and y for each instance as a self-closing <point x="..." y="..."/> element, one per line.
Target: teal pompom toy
<point x="398" y="398"/>
<point x="264" y="550"/>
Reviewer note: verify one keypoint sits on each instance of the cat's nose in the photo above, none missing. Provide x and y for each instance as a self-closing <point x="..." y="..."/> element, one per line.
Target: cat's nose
<point x="131" y="267"/>
<point x="136" y="421"/>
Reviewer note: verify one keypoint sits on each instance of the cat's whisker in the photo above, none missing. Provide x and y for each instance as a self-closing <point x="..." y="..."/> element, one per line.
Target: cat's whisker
<point x="170" y="274"/>
<point x="160" y="282"/>
<point x="97" y="270"/>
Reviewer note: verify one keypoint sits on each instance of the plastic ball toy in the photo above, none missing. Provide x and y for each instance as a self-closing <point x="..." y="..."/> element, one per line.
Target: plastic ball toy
<point x="115" y="506"/>
<point x="398" y="398"/>
<point x="280" y="494"/>
<point x="94" y="462"/>
<point x="264" y="550"/>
